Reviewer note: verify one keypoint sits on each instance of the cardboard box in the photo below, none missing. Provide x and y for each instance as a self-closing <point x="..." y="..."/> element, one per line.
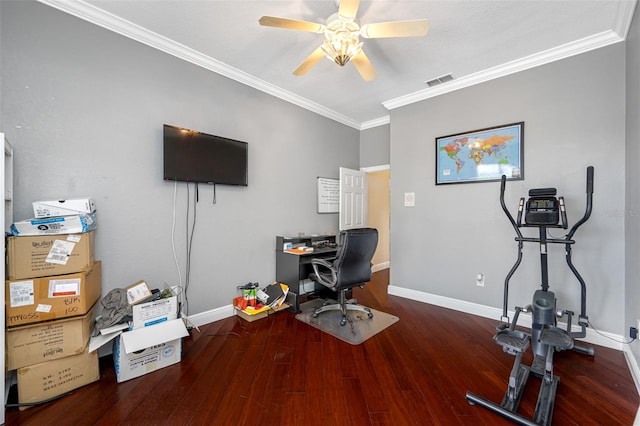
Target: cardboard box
<point x="46" y="380"/>
<point x="55" y="225"/>
<point x="45" y="255"/>
<point x="151" y="313"/>
<point x="250" y="318"/>
<point x="33" y="344"/>
<point x="138" y="292"/>
<point x="63" y="207"/>
<point x="144" y="350"/>
<point x="48" y="298"/>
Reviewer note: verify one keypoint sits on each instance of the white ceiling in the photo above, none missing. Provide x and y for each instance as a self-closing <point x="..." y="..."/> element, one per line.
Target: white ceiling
<point x="474" y="40"/>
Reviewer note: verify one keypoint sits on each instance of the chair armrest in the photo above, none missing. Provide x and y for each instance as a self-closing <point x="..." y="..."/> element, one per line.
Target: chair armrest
<point x="321" y="262"/>
<point x="324" y="272"/>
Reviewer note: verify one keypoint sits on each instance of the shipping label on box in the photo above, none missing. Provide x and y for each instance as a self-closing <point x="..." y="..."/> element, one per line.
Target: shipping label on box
<point x="63" y="207"/>
<point x="60" y="252"/>
<point x="150" y="313"/>
<point x="40" y="342"/>
<point x="54" y="297"/>
<point x="55" y="225"/>
<point x="45" y="255"/>
<point x="46" y="380"/>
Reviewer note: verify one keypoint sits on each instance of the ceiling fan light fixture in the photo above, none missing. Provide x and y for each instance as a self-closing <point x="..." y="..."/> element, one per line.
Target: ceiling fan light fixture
<point x="342" y="34"/>
<point x="341" y="47"/>
<point x="341" y="39"/>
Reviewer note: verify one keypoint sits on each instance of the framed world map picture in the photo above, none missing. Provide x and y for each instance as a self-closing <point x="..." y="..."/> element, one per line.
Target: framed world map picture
<point x="481" y="155"/>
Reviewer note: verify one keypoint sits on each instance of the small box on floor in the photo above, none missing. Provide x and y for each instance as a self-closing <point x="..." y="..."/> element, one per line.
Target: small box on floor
<point x="144" y="350"/>
<point x="48" y="298"/>
<point x="46" y="255"/>
<point x="263" y="314"/>
<point x="46" y="341"/>
<point x="49" y="379"/>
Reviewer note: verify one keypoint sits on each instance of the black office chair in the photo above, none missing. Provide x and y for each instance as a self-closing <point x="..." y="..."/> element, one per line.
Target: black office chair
<point x="351" y="268"/>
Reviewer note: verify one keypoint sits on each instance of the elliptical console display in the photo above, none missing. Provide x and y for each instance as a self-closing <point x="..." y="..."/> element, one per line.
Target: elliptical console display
<point x="543" y="208"/>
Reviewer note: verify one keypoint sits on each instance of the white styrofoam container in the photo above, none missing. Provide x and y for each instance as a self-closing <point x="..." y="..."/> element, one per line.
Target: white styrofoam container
<point x="55" y="225"/>
<point x="63" y="207"/>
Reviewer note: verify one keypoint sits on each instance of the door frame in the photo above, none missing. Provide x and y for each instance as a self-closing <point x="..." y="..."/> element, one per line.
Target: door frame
<point x="372" y="169"/>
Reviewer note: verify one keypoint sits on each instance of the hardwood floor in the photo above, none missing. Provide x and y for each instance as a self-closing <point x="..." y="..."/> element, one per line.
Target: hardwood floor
<point x="280" y="371"/>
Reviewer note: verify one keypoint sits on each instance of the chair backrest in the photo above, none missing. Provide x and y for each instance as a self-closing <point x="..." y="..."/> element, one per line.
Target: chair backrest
<point x="353" y="259"/>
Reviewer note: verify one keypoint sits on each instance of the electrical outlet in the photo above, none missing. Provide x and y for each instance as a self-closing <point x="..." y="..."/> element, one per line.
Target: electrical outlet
<point x="633" y="332"/>
<point x="480" y="280"/>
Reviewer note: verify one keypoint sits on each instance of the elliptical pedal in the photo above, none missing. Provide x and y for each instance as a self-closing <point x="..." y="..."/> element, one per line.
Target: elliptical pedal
<point x="512" y="341"/>
<point x="557" y="337"/>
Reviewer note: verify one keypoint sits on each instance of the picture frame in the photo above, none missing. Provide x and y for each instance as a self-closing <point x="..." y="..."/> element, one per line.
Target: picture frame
<point x="482" y="155"/>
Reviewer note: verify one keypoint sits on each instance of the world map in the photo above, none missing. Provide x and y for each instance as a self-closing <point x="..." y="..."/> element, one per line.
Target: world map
<point x="481" y="155"/>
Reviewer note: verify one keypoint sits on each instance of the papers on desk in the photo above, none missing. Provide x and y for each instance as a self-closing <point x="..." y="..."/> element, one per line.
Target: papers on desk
<point x="299" y="250"/>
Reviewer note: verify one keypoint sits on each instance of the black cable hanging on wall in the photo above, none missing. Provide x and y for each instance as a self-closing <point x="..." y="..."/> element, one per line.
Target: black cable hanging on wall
<point x="190" y="231"/>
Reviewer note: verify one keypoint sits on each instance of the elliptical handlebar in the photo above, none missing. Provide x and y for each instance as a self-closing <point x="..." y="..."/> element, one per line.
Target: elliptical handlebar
<point x="589" y="206"/>
<point x="503" y="182"/>
<point x="590" y="180"/>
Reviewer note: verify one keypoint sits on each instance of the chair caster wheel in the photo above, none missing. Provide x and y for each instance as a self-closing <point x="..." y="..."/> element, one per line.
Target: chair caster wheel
<point x="315" y="315"/>
<point x="343" y="321"/>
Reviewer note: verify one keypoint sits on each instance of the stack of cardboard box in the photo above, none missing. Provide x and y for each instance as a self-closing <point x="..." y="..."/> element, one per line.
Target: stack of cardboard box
<point x="54" y="283"/>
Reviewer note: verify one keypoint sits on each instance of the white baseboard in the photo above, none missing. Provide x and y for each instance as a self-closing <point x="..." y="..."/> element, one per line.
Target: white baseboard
<point x="600" y="338"/>
<point x="380" y="266"/>
<point x="634" y="368"/>
<point x="212" y="315"/>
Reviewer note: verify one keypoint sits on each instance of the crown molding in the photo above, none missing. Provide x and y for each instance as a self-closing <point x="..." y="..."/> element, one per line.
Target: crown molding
<point x="94" y="15"/>
<point x="561" y="52"/>
<point x="624" y="17"/>
<point x="376" y="122"/>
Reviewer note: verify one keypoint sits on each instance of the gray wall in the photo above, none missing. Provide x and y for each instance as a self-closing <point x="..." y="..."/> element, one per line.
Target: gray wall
<point x="84" y="108"/>
<point x="374" y="146"/>
<point x="574" y="114"/>
<point x="632" y="158"/>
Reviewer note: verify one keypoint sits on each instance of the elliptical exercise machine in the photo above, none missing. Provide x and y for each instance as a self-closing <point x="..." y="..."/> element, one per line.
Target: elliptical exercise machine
<point x="542" y="210"/>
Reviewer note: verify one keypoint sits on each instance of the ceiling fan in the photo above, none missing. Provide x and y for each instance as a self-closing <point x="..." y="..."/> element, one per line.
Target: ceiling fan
<point x="342" y="34"/>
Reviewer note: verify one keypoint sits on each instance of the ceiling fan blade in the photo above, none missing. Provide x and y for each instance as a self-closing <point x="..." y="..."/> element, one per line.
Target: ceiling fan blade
<point x="364" y="67"/>
<point x="348" y="8"/>
<point x="415" y="28"/>
<point x="309" y="63"/>
<point x="291" y="24"/>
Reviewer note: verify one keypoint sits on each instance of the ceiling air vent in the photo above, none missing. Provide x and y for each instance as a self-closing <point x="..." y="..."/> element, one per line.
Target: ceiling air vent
<point x="439" y="80"/>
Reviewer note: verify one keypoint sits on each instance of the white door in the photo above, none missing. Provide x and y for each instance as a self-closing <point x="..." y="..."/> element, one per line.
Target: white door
<point x="353" y="199"/>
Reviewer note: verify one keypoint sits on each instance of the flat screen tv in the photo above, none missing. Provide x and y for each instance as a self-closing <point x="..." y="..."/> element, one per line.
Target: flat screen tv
<point x="192" y="156"/>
